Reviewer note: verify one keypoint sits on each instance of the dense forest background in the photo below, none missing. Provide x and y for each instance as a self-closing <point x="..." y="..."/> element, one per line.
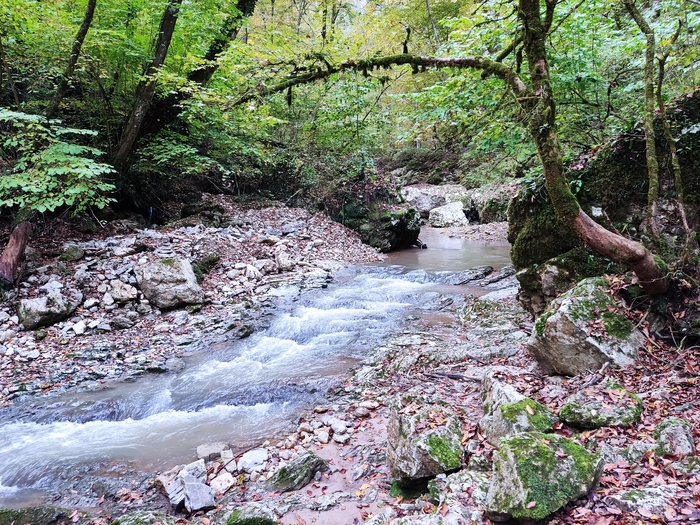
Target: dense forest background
<point x="164" y="99"/>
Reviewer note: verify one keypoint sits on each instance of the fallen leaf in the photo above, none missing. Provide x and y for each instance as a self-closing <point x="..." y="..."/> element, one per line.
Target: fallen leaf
<point x="531" y="504"/>
<point x="529" y="410"/>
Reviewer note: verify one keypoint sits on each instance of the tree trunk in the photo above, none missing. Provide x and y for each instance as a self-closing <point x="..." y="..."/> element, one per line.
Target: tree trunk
<point x="652" y="221"/>
<point x="72" y="60"/>
<point x="147" y="87"/>
<point x="13" y="254"/>
<point x="6" y="67"/>
<point x="164" y="111"/>
<point x="542" y="111"/>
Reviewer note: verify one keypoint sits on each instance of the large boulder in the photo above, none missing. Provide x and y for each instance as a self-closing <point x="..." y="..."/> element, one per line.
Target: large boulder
<point x="298" y="472"/>
<point x="535" y="474"/>
<point x="583" y="330"/>
<point x="595" y="407"/>
<point x="389" y="229"/>
<point x="168" y="283"/>
<point x="448" y="215"/>
<point x="426" y="197"/>
<point x="253" y="514"/>
<point x="48" y="309"/>
<point x="423" y="441"/>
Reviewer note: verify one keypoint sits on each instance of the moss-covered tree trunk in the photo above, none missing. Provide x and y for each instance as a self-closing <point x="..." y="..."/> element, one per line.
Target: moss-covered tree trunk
<point x="542" y="113"/>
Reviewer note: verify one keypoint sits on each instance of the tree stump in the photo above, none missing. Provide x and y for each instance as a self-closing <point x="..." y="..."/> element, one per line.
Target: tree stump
<point x="13" y="254"/>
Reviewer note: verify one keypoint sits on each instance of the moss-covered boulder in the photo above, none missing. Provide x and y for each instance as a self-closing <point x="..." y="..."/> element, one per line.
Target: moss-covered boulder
<point x="252" y="515"/>
<point x="385" y="228"/>
<point x="298" y="472"/>
<point x="606" y="406"/>
<point x="35" y="516"/>
<point x="535" y="474"/>
<point x="423" y="442"/>
<point x="509" y="419"/>
<point x="582" y="330"/>
<point x="145" y="517"/>
<point x="674" y="436"/>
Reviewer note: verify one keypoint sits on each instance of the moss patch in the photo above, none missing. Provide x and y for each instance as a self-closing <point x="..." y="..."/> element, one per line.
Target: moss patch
<point x="440" y="448"/>
<point x="552" y="469"/>
<point x="539" y="417"/>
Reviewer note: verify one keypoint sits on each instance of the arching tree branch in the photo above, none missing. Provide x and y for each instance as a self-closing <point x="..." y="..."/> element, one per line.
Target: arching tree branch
<point x="314" y="73"/>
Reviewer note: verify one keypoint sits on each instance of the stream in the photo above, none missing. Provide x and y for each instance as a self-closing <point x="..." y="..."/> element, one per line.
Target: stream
<point x="243" y="392"/>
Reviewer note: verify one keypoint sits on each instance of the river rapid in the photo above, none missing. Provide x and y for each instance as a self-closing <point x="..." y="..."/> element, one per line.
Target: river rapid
<point x="241" y="392"/>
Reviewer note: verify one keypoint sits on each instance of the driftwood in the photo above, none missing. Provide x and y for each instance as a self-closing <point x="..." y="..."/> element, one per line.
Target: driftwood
<point x="13" y="254"/>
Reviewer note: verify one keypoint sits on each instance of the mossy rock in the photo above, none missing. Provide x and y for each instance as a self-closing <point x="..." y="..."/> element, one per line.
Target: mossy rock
<point x="610" y="406"/>
<point x="674" y="436"/>
<point x="35" y="516"/>
<point x="252" y="515"/>
<point x="423" y="444"/>
<point x="298" y="472"/>
<point x="145" y="518"/>
<point x="535" y="474"/>
<point x="582" y="330"/>
<point x="508" y="419"/>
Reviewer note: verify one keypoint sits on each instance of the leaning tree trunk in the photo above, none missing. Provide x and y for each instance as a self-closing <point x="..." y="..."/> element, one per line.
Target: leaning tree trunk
<point x="542" y="111"/>
<point x="72" y="60"/>
<point x="13" y="255"/>
<point x="147" y="87"/>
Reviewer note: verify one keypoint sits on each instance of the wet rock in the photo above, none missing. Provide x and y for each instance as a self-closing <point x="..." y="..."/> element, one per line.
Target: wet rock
<point x="168" y="283"/>
<point x="674" y="436"/>
<point x="467" y="276"/>
<point x="582" y="330"/>
<point x="448" y="215"/>
<point x="144" y="517"/>
<point x="252" y="515"/>
<point x="535" y="474"/>
<point x="424" y="442"/>
<point x="602" y="406"/>
<point x="35" y="515"/>
<point x="122" y="292"/>
<point x="654" y="499"/>
<point x="298" y="472"/>
<point x="174" y="483"/>
<point x="253" y="460"/>
<point x="49" y="309"/>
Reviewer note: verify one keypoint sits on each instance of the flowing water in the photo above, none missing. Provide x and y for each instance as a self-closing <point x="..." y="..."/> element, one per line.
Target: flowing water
<point x="241" y="393"/>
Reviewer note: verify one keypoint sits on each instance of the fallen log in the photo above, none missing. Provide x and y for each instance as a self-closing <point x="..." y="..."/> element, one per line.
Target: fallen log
<point x="13" y="254"/>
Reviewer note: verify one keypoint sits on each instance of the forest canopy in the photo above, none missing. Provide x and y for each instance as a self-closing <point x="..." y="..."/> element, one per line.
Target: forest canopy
<point x="213" y="104"/>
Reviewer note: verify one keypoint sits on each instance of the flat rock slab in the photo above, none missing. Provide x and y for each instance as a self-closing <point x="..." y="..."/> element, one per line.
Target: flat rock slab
<point x="653" y="499"/>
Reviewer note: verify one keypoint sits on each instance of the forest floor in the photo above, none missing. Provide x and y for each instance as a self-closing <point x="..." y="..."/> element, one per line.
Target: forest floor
<point x="443" y="356"/>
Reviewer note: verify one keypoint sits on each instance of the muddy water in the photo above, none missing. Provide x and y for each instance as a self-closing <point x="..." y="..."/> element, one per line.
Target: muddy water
<point x="241" y="393"/>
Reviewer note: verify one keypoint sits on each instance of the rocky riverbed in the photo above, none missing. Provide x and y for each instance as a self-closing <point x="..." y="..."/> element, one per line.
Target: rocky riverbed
<point x="449" y="358"/>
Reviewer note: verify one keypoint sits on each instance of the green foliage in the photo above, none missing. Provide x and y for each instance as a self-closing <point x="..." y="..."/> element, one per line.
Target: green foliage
<point x="46" y="171"/>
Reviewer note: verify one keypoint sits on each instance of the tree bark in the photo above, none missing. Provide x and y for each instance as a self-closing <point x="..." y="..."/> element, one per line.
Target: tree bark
<point x="147" y="87"/>
<point x="72" y="60"/>
<point x="13" y="254"/>
<point x="652" y="221"/>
